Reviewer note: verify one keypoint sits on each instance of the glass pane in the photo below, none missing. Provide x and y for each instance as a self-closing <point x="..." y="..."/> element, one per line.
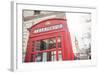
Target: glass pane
<point x="33" y="46"/>
<point x="39" y="57"/>
<point x="52" y="43"/>
<point x="59" y="42"/>
<point x="60" y="55"/>
<point x="32" y="56"/>
<point x="46" y="56"/>
<point x="45" y="44"/>
<point x="53" y="56"/>
<point x="37" y="45"/>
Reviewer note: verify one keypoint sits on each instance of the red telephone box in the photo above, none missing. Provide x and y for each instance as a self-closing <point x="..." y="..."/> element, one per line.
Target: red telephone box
<point x="49" y="40"/>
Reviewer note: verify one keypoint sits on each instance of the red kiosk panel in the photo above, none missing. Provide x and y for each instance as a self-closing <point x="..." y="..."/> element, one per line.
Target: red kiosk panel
<point x="49" y="40"/>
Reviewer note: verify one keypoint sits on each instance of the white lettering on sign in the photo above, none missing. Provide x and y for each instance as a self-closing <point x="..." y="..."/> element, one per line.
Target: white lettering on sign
<point x="48" y="28"/>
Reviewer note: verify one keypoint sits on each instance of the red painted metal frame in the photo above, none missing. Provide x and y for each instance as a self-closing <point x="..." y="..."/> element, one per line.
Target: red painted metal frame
<point x="49" y="50"/>
<point x="56" y="48"/>
<point x="66" y="46"/>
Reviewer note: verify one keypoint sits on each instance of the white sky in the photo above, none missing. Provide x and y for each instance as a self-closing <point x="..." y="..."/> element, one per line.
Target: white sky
<point x="78" y="25"/>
